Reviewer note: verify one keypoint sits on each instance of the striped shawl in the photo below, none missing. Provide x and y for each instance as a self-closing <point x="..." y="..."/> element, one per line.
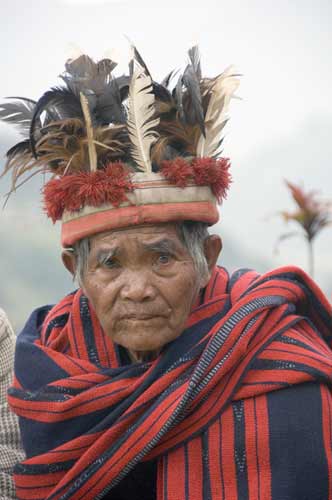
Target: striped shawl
<point x="238" y="407"/>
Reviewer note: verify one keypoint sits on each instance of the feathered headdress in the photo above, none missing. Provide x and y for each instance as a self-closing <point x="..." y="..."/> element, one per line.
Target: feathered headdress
<point x="124" y="150"/>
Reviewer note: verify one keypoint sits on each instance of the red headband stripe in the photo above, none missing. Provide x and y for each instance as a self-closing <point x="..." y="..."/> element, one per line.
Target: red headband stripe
<point x="107" y="220"/>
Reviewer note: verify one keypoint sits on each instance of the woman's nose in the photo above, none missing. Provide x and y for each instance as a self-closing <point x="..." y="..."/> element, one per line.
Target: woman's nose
<point x="138" y="287"/>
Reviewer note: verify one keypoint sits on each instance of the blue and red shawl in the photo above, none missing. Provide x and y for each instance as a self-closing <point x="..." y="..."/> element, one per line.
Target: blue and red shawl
<point x="238" y="407"/>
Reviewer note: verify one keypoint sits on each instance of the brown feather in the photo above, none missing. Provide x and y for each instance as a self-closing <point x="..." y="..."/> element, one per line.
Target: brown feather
<point x="68" y="143"/>
<point x="63" y="148"/>
<point x="184" y="134"/>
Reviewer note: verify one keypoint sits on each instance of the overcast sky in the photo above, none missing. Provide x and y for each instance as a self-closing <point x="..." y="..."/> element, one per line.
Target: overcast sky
<point x="280" y="129"/>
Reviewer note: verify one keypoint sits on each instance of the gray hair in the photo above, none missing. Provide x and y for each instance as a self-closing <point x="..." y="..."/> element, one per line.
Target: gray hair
<point x="192" y="235"/>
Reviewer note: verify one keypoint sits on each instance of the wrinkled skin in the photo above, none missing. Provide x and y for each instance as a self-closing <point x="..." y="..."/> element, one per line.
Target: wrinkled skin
<point x="142" y="284"/>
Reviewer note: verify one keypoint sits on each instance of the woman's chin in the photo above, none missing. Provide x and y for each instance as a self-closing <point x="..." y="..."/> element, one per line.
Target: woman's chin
<point x="144" y="339"/>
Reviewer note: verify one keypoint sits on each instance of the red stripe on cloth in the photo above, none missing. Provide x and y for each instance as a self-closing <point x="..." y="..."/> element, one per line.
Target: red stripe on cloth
<point x="84" y="381"/>
<point x="305" y="331"/>
<point x="48" y="481"/>
<point x="315" y="291"/>
<point x="67" y="451"/>
<point x="59" y="340"/>
<point x="33" y="493"/>
<point x="270" y="378"/>
<point x="251" y="449"/>
<point x="242" y="284"/>
<point x="257" y="448"/>
<point x="176" y="475"/>
<point x="105" y="347"/>
<point x="60" y="308"/>
<point x="217" y="285"/>
<point x="215" y="466"/>
<point x="68" y="363"/>
<point x="54" y="411"/>
<point x="263" y="450"/>
<point x="327" y="431"/>
<point x="201" y="312"/>
<point x="195" y="470"/>
<point x="319" y="362"/>
<point x="75" y="330"/>
<point x="227" y="455"/>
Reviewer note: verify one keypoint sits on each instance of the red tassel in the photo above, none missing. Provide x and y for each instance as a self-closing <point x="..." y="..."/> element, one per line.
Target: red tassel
<point x="72" y="192"/>
<point x="214" y="173"/>
<point x="203" y="171"/>
<point x="177" y="171"/>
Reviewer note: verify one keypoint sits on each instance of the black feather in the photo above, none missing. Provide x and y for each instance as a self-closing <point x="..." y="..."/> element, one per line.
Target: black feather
<point x="194" y="58"/>
<point x="84" y="75"/>
<point x="194" y="112"/>
<point x="109" y="107"/>
<point x="60" y="103"/>
<point x="123" y="84"/>
<point x="167" y="79"/>
<point x="161" y="92"/>
<point x="178" y="95"/>
<point x="106" y="66"/>
<point x="131" y="67"/>
<point x="19" y="148"/>
<point x="81" y="67"/>
<point x="18" y="112"/>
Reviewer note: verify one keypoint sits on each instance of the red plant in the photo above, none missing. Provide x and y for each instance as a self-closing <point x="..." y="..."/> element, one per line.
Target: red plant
<point x="311" y="214"/>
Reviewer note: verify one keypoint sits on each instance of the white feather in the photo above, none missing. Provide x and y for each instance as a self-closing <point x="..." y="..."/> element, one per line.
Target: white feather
<point x="221" y="92"/>
<point x="141" y="124"/>
<point x="89" y="132"/>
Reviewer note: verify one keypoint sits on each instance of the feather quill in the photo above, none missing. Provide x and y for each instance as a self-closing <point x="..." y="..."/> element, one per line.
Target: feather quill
<point x="220" y="94"/>
<point x="89" y="133"/>
<point x="141" y="122"/>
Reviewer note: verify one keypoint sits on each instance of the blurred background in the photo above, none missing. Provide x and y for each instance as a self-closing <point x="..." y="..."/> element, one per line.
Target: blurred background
<point x="280" y="129"/>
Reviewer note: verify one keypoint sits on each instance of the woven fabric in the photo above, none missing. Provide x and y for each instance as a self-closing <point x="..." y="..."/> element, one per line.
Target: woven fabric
<point x="107" y="219"/>
<point x="10" y="448"/>
<point x="154" y="200"/>
<point x="238" y="407"/>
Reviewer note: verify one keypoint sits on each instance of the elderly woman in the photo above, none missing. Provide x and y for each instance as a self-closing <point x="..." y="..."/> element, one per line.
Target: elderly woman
<point x="10" y="443"/>
<point x="161" y="377"/>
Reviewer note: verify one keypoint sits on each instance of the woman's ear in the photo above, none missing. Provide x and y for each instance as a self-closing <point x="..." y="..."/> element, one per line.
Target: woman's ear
<point x="212" y="249"/>
<point x="69" y="260"/>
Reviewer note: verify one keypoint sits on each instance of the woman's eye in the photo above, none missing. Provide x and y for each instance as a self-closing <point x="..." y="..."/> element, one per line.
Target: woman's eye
<point x="164" y="259"/>
<point x="111" y="263"/>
